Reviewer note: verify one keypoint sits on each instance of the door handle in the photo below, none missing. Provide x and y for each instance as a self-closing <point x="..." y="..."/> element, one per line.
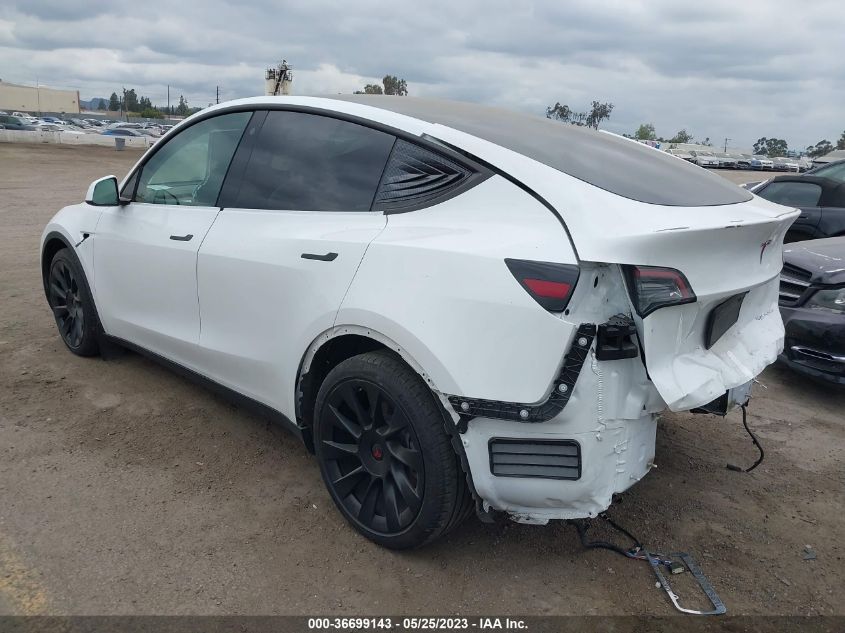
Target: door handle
<point x="182" y="238"/>
<point x="328" y="257"/>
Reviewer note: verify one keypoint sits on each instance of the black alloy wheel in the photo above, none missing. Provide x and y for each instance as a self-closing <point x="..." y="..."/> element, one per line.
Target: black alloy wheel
<point x="70" y="300"/>
<point x="66" y="302"/>
<point x="385" y="454"/>
<point x="372" y="457"/>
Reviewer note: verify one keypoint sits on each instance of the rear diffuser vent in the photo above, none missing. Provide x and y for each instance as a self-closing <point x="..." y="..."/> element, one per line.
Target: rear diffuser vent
<point x="545" y="459"/>
<point x="415" y="176"/>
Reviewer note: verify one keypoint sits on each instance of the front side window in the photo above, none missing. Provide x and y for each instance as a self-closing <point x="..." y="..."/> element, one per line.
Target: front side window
<point x="792" y="194"/>
<point x="309" y="162"/>
<point x="190" y="168"/>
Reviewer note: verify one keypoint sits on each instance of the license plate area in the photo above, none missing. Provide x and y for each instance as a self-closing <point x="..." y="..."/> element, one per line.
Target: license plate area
<point x="721" y="318"/>
<point x="736" y="397"/>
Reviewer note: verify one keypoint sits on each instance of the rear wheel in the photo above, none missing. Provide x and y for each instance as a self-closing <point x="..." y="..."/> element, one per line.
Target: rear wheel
<point x="384" y="453"/>
<point x="72" y="305"/>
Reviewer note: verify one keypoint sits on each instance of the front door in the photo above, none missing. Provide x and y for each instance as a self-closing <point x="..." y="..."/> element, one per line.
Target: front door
<point x="145" y="252"/>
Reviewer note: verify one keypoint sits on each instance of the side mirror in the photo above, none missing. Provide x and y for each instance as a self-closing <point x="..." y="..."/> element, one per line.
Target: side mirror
<point x="103" y="193"/>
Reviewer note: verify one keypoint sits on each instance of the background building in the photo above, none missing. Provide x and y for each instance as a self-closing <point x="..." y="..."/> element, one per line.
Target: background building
<point x="17" y="98"/>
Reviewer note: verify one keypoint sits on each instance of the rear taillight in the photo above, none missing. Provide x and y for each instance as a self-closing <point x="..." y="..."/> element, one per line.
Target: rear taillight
<point x="651" y="288"/>
<point x="549" y="284"/>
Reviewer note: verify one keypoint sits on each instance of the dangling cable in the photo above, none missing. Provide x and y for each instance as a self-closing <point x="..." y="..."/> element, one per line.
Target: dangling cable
<point x="756" y="443"/>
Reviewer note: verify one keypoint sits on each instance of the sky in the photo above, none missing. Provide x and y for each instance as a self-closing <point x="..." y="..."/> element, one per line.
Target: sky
<point x="718" y="68"/>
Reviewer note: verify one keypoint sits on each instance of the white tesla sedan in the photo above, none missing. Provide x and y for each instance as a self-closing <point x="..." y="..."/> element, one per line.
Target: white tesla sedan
<point x="453" y="306"/>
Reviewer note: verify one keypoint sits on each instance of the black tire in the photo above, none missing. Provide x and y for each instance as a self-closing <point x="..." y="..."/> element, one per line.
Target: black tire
<point x="73" y="307"/>
<point x="381" y="444"/>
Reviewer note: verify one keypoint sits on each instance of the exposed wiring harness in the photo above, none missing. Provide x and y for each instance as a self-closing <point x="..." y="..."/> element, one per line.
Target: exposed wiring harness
<point x="635" y="552"/>
<point x="756" y="443"/>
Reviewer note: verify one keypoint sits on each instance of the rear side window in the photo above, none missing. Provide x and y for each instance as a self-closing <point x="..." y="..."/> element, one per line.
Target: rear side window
<point x="793" y="194"/>
<point x="416" y="177"/>
<point x="308" y="162"/>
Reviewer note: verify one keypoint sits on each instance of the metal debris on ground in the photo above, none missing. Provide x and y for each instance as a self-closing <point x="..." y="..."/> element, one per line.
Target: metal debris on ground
<point x="657" y="563"/>
<point x="675" y="563"/>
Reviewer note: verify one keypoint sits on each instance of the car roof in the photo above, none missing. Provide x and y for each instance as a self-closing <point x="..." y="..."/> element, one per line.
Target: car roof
<point x="608" y="161"/>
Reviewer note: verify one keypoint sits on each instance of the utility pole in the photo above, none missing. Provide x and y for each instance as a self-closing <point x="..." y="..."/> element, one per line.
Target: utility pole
<point x="168" y="100"/>
<point x="726" y="143"/>
<point x="218" y="94"/>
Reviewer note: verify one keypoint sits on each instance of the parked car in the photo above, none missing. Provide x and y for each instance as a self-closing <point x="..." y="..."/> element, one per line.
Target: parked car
<point x="10" y="122"/>
<point x="783" y="163"/>
<point x="834" y="170"/>
<point x="52" y="119"/>
<point x="821" y="201"/>
<point x="812" y="304"/>
<point x="761" y="162"/>
<point x="743" y="161"/>
<point x="726" y="161"/>
<point x="680" y="153"/>
<point x="431" y="295"/>
<point x="704" y="158"/>
<point x="121" y="131"/>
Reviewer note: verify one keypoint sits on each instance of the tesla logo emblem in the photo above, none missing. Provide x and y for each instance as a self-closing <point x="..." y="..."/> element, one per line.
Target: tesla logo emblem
<point x="763" y="249"/>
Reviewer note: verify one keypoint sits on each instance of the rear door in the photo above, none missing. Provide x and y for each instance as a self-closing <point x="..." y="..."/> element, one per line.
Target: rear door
<point x="295" y="223"/>
<point x="145" y="252"/>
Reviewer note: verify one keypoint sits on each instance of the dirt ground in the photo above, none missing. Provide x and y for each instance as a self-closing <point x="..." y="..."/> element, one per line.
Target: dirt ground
<point x="125" y="489"/>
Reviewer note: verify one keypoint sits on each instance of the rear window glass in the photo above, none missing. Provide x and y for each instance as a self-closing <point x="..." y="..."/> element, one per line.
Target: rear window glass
<point x="835" y="172"/>
<point x="615" y="164"/>
<point x="792" y="194"/>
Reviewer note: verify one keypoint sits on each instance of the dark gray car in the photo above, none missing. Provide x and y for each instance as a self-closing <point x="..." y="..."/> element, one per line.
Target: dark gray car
<point x="14" y="123"/>
<point x="812" y="304"/>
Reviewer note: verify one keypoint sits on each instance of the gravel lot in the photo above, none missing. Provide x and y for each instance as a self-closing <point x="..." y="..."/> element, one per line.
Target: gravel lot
<point x="125" y="489"/>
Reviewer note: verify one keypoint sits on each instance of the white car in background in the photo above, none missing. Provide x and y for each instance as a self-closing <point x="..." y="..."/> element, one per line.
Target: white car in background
<point x="680" y="153"/>
<point x="453" y="306"/>
<point x="761" y="162"/>
<point x="705" y="158"/>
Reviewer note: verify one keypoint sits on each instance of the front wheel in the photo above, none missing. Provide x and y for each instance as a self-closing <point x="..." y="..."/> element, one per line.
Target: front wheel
<point x="384" y="453"/>
<point x="73" y="308"/>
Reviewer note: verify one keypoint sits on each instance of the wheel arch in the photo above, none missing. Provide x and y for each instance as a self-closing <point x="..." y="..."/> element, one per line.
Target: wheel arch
<point x="335" y="346"/>
<point x="53" y="242"/>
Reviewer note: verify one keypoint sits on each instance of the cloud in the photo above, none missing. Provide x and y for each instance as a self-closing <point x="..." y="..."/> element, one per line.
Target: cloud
<point x="720" y="69"/>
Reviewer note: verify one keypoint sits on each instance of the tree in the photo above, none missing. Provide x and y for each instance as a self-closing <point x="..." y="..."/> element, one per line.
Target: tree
<point x="144" y="104"/>
<point x="681" y="137"/>
<point x="776" y="147"/>
<point x="151" y="113"/>
<point x="820" y="149"/>
<point x="559" y="112"/>
<point x="102" y="105"/>
<point x="114" y="102"/>
<point x="394" y="86"/>
<point x="771" y="147"/>
<point x="840" y="144"/>
<point x="370" y="89"/>
<point x="182" y="109"/>
<point x="598" y="113"/>
<point x="130" y="100"/>
<point x="645" y="132"/>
